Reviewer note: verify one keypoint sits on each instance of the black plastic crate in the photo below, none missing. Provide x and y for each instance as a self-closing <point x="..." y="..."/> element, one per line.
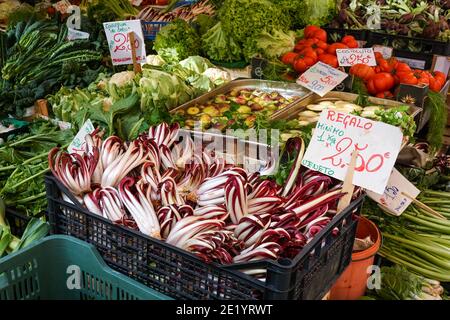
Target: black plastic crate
<point x="429" y="47"/>
<point x="182" y="275"/>
<point x="336" y="34"/>
<point x="17" y="221"/>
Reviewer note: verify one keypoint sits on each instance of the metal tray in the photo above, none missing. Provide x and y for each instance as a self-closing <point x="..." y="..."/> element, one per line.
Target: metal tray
<point x="286" y="89"/>
<point x="292" y="112"/>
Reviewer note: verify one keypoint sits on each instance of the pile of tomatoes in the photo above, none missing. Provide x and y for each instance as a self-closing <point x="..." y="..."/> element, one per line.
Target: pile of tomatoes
<point x="314" y="47"/>
<point x="382" y="79"/>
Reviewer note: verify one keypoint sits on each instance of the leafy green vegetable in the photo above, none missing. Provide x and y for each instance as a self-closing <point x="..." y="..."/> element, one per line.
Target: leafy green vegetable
<point x="438" y="119"/>
<point x="40" y="60"/>
<point x="108" y="118"/>
<point x="177" y="41"/>
<point x="23" y="163"/>
<point x="274" y="44"/>
<point x="220" y="46"/>
<point x="398" y="117"/>
<point x="316" y="12"/>
<point x="397" y="283"/>
<point x="245" y="19"/>
<point x="196" y="64"/>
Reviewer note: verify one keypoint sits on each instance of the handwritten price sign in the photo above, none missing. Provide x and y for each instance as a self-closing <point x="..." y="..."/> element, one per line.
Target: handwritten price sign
<point x="321" y="78"/>
<point x="393" y="196"/>
<point x="119" y="41"/>
<point x="78" y="145"/>
<point x="350" y="57"/>
<point x="338" y="134"/>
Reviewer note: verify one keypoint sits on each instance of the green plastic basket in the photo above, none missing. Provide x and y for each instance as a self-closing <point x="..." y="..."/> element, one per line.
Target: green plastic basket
<point x="65" y="268"/>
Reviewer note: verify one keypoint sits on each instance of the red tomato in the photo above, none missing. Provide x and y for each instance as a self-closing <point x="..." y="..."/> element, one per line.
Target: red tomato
<point x="378" y="56"/>
<point x="289" y="57"/>
<point x="304" y="61"/>
<point x="320" y="34"/>
<point x="406" y="78"/>
<point x="385" y="95"/>
<point x="352" y="44"/>
<point x="332" y="47"/>
<point x="380" y="82"/>
<point x="435" y="85"/>
<point x="362" y="71"/>
<point x="422" y="77"/>
<point x="309" y="30"/>
<point x="329" y="59"/>
<point x="347" y="38"/>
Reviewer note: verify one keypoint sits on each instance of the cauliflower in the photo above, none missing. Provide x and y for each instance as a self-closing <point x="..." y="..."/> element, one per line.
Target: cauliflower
<point x="122" y="78"/>
<point x="217" y="76"/>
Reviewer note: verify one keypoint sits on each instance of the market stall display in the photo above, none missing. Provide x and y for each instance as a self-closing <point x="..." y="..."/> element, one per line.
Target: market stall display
<point x="197" y="186"/>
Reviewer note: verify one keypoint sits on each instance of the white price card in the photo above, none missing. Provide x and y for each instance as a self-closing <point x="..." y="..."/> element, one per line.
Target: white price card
<point x="321" y="78"/>
<point x="78" y="144"/>
<point x="338" y="134"/>
<point x="119" y="41"/>
<point x="74" y="34"/>
<point x="350" y="57"/>
<point x="386" y="52"/>
<point x="393" y="196"/>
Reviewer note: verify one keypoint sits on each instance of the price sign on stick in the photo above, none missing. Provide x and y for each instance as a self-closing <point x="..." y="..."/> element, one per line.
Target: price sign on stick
<point x="321" y="78"/>
<point x="338" y="134"/>
<point x="120" y="47"/>
<point x="394" y="197"/>
<point x="78" y="144"/>
<point x="350" y="57"/>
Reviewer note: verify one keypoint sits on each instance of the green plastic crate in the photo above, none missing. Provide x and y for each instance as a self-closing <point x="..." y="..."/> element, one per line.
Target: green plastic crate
<point x="65" y="268"/>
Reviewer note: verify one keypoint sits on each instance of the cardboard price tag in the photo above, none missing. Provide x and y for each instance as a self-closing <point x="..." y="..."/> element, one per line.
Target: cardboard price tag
<point x="338" y="134"/>
<point x="350" y="57"/>
<point x="78" y="144"/>
<point x="117" y="34"/>
<point x="74" y="34"/>
<point x="321" y="78"/>
<point x="393" y="196"/>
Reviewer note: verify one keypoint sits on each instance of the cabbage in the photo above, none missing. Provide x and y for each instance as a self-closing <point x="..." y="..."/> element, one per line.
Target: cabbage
<point x="196" y="64"/>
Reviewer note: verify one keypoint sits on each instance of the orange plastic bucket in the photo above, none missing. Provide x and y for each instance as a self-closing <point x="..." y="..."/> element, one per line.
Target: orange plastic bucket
<point x="352" y="284"/>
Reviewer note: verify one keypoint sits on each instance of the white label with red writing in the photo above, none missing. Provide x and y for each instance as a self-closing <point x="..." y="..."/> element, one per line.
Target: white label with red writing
<point x="393" y="196"/>
<point x="119" y="42"/>
<point x="321" y="78"/>
<point x="350" y="57"/>
<point x="338" y="134"/>
<point x="78" y="144"/>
